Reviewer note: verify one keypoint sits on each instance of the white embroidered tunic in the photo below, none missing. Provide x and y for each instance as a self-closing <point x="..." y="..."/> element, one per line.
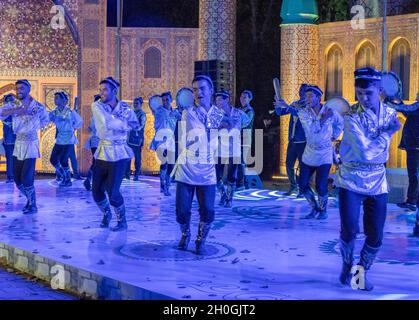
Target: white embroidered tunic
<point x="112" y="127"/>
<point x="26" y="128"/>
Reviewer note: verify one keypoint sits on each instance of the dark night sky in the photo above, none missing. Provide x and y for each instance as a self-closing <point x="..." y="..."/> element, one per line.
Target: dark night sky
<point x="156" y="13"/>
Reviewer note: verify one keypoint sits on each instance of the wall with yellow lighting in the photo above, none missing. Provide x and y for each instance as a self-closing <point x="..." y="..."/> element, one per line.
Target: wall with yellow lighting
<point x="340" y="37"/>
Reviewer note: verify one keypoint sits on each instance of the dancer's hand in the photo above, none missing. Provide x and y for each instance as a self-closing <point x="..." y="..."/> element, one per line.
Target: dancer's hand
<point x="394" y="126"/>
<point x="327" y="114"/>
<point x="280" y="104"/>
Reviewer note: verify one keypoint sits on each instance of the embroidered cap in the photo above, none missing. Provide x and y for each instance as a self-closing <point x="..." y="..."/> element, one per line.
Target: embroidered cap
<point x="204" y="77"/>
<point x="23" y="81"/>
<point x="223" y="94"/>
<point x="111" y="81"/>
<point x="368" y="74"/>
<point x="315" y="89"/>
<point x="249" y="93"/>
<point x="62" y="94"/>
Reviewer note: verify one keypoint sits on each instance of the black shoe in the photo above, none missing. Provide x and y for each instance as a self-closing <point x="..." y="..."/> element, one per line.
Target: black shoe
<point x="312" y="214"/>
<point x="77" y="176"/>
<point x="322" y="215"/>
<point x="121" y="226"/>
<point x="87" y="184"/>
<point x="290" y="192"/>
<point x="10" y="180"/>
<point x="416" y="230"/>
<point x="300" y="195"/>
<point x="407" y="205"/>
<point x="365" y="284"/>
<point x="121" y="219"/>
<point x="136" y="178"/>
<point x="107" y="217"/>
<point x="186" y="237"/>
<point x="203" y="231"/>
<point x="31" y="209"/>
<point x="346" y="275"/>
<point x="347" y="253"/>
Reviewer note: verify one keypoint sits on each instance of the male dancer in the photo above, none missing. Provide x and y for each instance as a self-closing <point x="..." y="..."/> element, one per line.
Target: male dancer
<point x="9" y="138"/>
<point x="410" y="143"/>
<point x="113" y="120"/>
<point x="321" y="126"/>
<point x="296" y="140"/>
<point x="66" y="122"/>
<point x="74" y="163"/>
<point x="28" y="118"/>
<point x="364" y="150"/>
<point x="136" y="138"/>
<point x="245" y="98"/>
<point x="230" y="147"/>
<point x="197" y="173"/>
<point x="165" y="119"/>
<point x="91" y="144"/>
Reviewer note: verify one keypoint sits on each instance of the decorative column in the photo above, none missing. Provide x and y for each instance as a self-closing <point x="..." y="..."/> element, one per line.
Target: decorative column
<point x="217" y="34"/>
<point x="91" y="24"/>
<point x="299" y="57"/>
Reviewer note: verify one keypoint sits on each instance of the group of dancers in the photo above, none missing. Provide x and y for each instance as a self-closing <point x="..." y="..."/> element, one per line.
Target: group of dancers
<point x="117" y="133"/>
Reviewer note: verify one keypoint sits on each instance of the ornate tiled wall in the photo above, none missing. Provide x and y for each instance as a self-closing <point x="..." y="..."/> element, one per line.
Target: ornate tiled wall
<point x="217" y="33"/>
<point x="92" y="61"/>
<point x="299" y="63"/>
<point x="179" y="50"/>
<point x="31" y="48"/>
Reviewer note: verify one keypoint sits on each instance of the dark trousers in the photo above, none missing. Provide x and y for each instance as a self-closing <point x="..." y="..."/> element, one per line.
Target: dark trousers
<point x="322" y="175"/>
<point x="24" y="172"/>
<point x="184" y="197"/>
<point x="166" y="166"/>
<point x="294" y="151"/>
<point x="137" y="160"/>
<point x="232" y="169"/>
<point x="413" y="173"/>
<point x="9" y="159"/>
<point x="241" y="169"/>
<point x="107" y="177"/>
<point x="93" y="151"/>
<point x="60" y="155"/>
<point x="375" y="212"/>
<point x="73" y="159"/>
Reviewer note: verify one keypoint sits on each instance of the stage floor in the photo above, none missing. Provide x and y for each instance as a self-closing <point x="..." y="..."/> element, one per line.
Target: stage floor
<point x="259" y="249"/>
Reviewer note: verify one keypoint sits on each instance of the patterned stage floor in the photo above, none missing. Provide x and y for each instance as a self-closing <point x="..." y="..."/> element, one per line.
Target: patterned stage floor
<point x="260" y="249"/>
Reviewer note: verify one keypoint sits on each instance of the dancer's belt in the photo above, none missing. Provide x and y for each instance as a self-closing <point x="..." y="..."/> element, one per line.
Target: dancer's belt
<point x="27" y="136"/>
<point x="364" y="166"/>
<point x="319" y="146"/>
<point x="112" y="142"/>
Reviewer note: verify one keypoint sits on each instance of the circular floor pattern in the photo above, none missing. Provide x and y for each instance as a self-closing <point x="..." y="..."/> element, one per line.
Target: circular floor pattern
<point x="391" y="252"/>
<point x="165" y="250"/>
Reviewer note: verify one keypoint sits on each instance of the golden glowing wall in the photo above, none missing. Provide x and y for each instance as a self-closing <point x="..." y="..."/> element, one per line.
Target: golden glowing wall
<point x="299" y="65"/>
<point x="350" y="41"/>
